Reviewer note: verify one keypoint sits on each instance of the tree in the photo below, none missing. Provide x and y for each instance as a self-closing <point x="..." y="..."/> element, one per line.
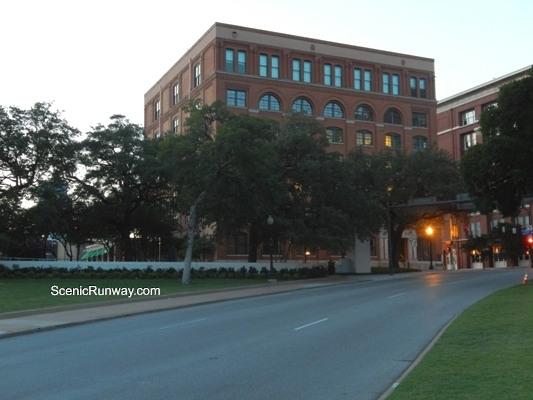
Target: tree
<point x="225" y="180"/>
<point x="397" y="176"/>
<point x="324" y="204"/>
<point x="120" y="174"/>
<point x="192" y="160"/>
<point x="497" y="173"/>
<point x="34" y="145"/>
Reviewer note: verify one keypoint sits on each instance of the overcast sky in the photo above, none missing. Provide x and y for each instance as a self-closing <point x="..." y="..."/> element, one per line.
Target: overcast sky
<point x="98" y="58"/>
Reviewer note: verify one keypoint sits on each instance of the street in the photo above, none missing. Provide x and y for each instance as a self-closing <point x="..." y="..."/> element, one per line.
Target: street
<point x="349" y="341"/>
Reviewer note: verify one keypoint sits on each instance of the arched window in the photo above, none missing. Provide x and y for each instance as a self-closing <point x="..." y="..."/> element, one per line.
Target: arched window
<point x="364" y="113"/>
<point x="302" y="106"/>
<point x="393" y="140"/>
<point x="269" y="102"/>
<point x="333" y="110"/>
<point x="364" y="138"/>
<point x="334" y="134"/>
<point x="392" y="116"/>
<point x="420" y="142"/>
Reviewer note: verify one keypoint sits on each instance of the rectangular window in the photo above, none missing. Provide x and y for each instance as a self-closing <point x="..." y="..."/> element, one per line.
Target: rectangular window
<point x="334" y="135"/>
<point x="274" y="65"/>
<point x="296" y="70"/>
<point x="327" y="74"/>
<point x="414" y="88"/>
<point x="422" y="86"/>
<point x="157" y="110"/>
<point x="357" y="79"/>
<point x="420" y="120"/>
<point x="175" y="126"/>
<point x="338" y="76"/>
<point x="395" y="84"/>
<point x="238" y="243"/>
<point x="175" y="94"/>
<point x="368" y="80"/>
<point x="364" y="138"/>
<point x="373" y="247"/>
<point x="236" y="98"/>
<point x="386" y="83"/>
<point x="469" y="140"/>
<point x="468" y="117"/>
<point x="393" y="140"/>
<point x="263" y="65"/>
<point x="420" y="142"/>
<point x="241" y="62"/>
<point x="229" y="60"/>
<point x="307" y="71"/>
<point x="197" y="75"/>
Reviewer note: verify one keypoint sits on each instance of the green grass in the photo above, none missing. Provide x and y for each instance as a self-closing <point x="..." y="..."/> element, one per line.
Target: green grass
<point x="28" y="294"/>
<point x="486" y="353"/>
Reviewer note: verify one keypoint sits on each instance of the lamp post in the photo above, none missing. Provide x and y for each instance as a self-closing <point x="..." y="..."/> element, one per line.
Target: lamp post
<point x="271" y="273"/>
<point x="429" y="231"/>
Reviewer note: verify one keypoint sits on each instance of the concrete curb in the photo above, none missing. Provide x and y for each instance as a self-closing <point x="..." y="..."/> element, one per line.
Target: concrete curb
<point x="416" y="361"/>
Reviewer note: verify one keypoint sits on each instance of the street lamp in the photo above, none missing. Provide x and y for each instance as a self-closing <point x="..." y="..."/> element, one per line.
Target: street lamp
<point x="429" y="231"/>
<point x="271" y="273"/>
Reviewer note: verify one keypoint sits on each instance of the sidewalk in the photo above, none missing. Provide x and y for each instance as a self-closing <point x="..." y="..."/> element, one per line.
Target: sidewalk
<point x="23" y="322"/>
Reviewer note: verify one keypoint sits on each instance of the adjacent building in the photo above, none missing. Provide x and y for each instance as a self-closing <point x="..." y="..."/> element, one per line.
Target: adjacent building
<point x="365" y="97"/>
<point x="458" y="129"/>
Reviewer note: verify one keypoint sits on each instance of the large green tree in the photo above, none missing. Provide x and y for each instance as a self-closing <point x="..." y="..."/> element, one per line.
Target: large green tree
<point x="120" y="173"/>
<point x="224" y="180"/>
<point x="325" y="203"/>
<point x="497" y="173"/>
<point x="398" y="176"/>
<point x="35" y="145"/>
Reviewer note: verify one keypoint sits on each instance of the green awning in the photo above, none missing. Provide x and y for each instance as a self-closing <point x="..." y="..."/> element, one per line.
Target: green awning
<point x="93" y="253"/>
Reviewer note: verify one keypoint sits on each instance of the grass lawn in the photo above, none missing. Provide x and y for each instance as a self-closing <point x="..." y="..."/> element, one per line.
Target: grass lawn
<point x="486" y="353"/>
<point x="28" y="294"/>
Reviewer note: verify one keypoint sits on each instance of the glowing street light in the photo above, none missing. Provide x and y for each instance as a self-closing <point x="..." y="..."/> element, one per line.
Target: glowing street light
<point x="429" y="231"/>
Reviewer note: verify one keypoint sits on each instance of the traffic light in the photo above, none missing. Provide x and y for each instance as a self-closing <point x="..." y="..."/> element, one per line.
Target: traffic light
<point x="529" y="244"/>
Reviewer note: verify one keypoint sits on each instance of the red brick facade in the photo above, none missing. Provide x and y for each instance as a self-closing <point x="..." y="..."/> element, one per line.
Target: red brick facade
<point x="457" y="130"/>
<point x="243" y="66"/>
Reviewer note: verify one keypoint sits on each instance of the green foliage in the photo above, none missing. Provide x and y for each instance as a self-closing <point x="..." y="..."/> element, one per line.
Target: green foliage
<point x="498" y="172"/>
<point x="510" y="245"/>
<point x="481" y="355"/>
<point x="149" y="273"/>
<point x="395" y="177"/>
<point x="36" y="146"/>
<point x="121" y="176"/>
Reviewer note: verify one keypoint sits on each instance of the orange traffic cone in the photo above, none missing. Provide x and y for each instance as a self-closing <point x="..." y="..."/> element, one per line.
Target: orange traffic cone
<point x="524" y="281"/>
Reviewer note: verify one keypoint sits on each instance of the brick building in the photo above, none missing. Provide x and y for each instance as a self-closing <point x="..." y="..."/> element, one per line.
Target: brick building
<point x="365" y="97"/>
<point x="458" y="130"/>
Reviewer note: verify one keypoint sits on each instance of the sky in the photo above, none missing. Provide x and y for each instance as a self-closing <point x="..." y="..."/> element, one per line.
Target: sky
<point x="96" y="59"/>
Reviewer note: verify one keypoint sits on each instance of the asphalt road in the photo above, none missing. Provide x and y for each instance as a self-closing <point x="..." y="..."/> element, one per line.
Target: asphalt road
<point x="341" y="342"/>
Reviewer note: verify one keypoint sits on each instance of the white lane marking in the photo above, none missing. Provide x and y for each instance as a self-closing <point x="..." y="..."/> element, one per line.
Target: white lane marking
<point x="396" y="295"/>
<point x="312" y="323"/>
<point x="183" y="323"/>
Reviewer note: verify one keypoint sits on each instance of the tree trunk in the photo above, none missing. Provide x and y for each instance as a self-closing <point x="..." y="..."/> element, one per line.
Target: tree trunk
<point x="396" y="239"/>
<point x="253" y="244"/>
<point x="186" y="278"/>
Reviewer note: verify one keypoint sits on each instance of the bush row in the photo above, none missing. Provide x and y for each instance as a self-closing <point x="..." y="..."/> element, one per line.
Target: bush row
<point x="159" y="273"/>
